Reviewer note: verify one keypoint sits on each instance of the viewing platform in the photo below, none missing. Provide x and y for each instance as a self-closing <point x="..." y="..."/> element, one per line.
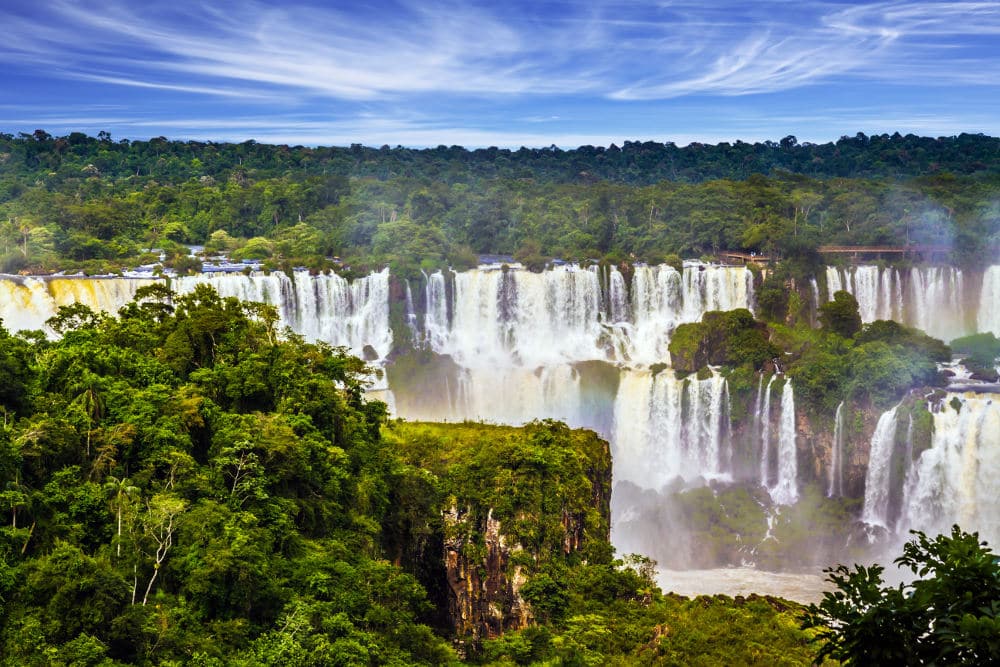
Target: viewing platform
<point x="741" y="257"/>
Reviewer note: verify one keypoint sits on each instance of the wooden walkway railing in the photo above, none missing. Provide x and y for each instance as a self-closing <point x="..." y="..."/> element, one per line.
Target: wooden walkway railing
<point x="855" y="250"/>
<point x="883" y="249"/>
<point x="745" y="257"/>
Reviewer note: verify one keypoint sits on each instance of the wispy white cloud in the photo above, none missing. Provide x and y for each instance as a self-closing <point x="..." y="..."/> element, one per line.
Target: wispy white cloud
<point x="624" y="51"/>
<point x="328" y="52"/>
<point x="268" y="71"/>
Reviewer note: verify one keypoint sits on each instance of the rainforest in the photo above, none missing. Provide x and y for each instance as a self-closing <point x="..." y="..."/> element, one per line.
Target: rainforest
<point x="279" y="404"/>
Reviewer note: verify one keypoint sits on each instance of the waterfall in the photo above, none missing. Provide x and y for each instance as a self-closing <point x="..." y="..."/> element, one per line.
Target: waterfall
<point x="877" y="290"/>
<point x="932" y="298"/>
<point x="618" y="310"/>
<point x="667" y="428"/>
<point x="786" y="491"/>
<point x="937" y="295"/>
<point x="657" y="309"/>
<point x="26" y="303"/>
<point x="757" y="405"/>
<point x="500" y="314"/>
<point x="878" y="479"/>
<point x="836" y="481"/>
<point x="516" y="395"/>
<point x="325" y="307"/>
<point x="989" y="302"/>
<point x="436" y="317"/>
<point x="715" y="288"/>
<point x="814" y="290"/>
<point x="765" y="436"/>
<point x="956" y="480"/>
<point x="411" y="313"/>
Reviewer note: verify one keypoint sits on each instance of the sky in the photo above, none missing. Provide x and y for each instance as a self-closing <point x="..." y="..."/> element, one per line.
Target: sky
<point x="502" y="73"/>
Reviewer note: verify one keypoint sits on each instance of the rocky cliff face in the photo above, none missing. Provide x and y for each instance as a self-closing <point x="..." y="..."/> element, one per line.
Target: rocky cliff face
<point x="484" y="586"/>
<point x="513" y="501"/>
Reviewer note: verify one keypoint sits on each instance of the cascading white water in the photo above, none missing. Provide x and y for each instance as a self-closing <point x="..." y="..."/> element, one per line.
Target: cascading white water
<point x="878" y="291"/>
<point x="814" y="290"/>
<point x="956" y="480"/>
<point x="989" y="302"/>
<point x="931" y="298"/>
<point x="765" y="435"/>
<point x="522" y="345"/>
<point x="436" y="317"/>
<point x="26" y="303"/>
<point x="667" y="428"/>
<point x="618" y="307"/>
<point x="878" y="478"/>
<point x="786" y="491"/>
<point x="411" y="313"/>
<point x="325" y="307"/>
<point x="657" y="308"/>
<point x="758" y="405"/>
<point x="516" y="395"/>
<point x="835" y="486"/>
<point x="500" y="314"/>
<point x="937" y="295"/>
<point x="716" y="288"/>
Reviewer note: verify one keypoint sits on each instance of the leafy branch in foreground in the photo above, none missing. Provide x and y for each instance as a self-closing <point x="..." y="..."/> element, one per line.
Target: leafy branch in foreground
<point x="949" y="615"/>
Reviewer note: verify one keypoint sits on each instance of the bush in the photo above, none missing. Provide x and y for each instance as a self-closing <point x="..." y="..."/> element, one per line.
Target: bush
<point x="948" y="616"/>
<point x="981" y="349"/>
<point x="895" y="333"/>
<point x="730" y="338"/>
<point x="841" y="315"/>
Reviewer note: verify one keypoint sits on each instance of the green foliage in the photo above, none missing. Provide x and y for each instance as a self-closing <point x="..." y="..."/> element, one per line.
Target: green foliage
<point x="949" y="614"/>
<point x="772" y="299"/>
<point x="894" y="333"/>
<point x="980" y="353"/>
<point x="840" y="316"/>
<point x="664" y="630"/>
<point x="179" y="482"/>
<point x="882" y="373"/>
<point x="16" y="373"/>
<point x="731" y="338"/>
<point x="877" y="367"/>
<point x="81" y="203"/>
<point x="544" y="484"/>
<point x="182" y="485"/>
<point x="982" y="348"/>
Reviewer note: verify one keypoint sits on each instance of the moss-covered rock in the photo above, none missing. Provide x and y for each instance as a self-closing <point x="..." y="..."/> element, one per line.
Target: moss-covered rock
<point x="730" y="338"/>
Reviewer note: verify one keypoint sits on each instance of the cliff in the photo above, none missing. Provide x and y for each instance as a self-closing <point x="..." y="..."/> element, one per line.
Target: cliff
<point x="500" y="508"/>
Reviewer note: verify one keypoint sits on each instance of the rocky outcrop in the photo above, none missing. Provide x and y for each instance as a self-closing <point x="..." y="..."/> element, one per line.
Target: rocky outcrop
<point x="514" y="502"/>
<point x="484" y="585"/>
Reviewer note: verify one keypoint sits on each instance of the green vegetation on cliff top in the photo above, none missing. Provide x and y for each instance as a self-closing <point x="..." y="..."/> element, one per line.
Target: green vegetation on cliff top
<point x="78" y="202"/>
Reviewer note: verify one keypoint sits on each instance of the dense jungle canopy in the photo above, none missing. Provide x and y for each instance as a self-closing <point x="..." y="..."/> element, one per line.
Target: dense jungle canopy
<point x="79" y="202"/>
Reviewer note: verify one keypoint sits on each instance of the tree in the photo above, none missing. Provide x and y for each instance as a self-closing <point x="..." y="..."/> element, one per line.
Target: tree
<point x="951" y="617"/>
<point x="841" y="315"/>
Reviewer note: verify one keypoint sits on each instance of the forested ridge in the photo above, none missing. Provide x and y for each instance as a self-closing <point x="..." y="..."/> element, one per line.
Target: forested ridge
<point x="96" y="204"/>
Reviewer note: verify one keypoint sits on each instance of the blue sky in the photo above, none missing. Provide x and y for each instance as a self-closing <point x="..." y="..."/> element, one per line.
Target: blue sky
<point x="499" y="73"/>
